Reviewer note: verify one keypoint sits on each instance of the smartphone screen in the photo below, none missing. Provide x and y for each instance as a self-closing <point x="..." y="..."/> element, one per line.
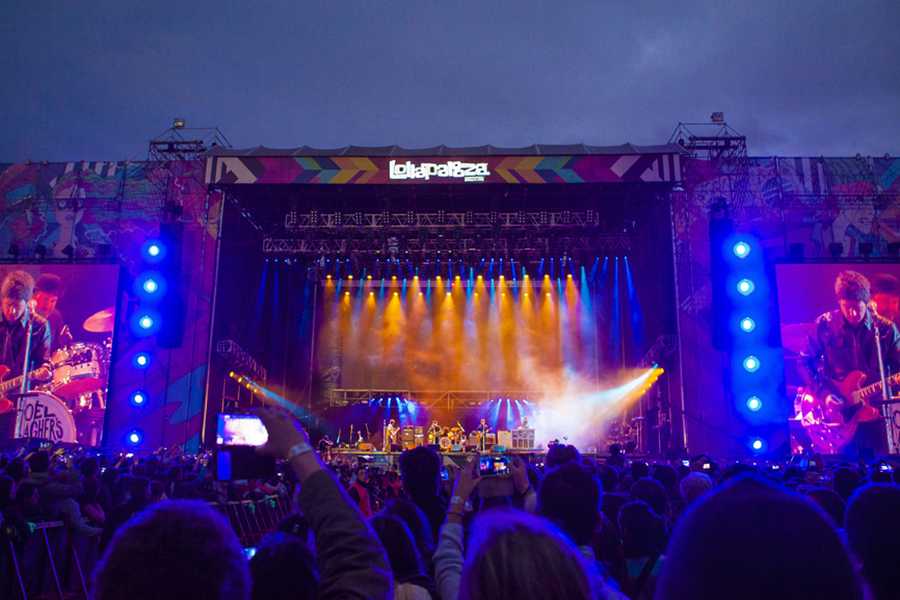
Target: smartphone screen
<point x="685" y="463"/>
<point x="493" y="466"/>
<point x="445" y="474"/>
<point x="240" y="430"/>
<point x="249" y="552"/>
<point x="707" y="466"/>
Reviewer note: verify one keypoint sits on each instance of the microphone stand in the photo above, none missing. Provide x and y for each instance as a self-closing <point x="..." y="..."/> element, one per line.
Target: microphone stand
<point x="24" y="387"/>
<point x="885" y="393"/>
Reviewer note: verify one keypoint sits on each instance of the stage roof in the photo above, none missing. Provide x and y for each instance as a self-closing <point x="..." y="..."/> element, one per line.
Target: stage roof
<point x="535" y="164"/>
<point x="533" y="150"/>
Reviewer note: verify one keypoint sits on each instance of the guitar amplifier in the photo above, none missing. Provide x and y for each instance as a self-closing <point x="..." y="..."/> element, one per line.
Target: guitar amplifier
<point x="523" y="439"/>
<point x="408" y="437"/>
<point x="419" y="436"/>
<point x="504" y="438"/>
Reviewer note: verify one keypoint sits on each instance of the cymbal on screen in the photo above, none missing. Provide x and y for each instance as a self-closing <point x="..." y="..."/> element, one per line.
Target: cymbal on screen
<point x="101" y="321"/>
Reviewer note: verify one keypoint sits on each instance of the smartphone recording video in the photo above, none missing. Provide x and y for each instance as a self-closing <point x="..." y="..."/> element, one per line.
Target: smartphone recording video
<point x="236" y="457"/>
<point x="240" y="430"/>
<point x="493" y="466"/>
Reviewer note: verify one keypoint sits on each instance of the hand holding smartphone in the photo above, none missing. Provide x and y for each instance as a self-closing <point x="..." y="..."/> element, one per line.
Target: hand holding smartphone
<point x="236" y="457"/>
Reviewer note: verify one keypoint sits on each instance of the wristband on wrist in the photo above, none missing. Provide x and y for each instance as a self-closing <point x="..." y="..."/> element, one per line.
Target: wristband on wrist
<point x="298" y="449"/>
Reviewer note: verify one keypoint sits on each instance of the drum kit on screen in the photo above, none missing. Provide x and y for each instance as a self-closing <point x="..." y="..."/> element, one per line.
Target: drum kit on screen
<point x="78" y="383"/>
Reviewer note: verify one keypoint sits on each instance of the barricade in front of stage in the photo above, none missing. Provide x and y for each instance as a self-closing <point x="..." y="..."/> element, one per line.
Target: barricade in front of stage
<point x="253" y="519"/>
<point x="51" y="562"/>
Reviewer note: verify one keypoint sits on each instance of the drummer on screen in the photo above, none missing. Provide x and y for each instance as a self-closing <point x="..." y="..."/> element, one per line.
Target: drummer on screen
<point x="47" y="292"/>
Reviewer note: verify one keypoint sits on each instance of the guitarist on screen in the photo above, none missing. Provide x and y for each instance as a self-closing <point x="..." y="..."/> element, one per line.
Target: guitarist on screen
<point x="841" y="359"/>
<point x="15" y="294"/>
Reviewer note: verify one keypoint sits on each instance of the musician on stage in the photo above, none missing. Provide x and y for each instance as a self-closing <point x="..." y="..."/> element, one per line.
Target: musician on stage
<point x="390" y="435"/>
<point x="886" y="296"/>
<point x="16" y="293"/>
<point x="47" y="292"/>
<point x="434" y="433"/>
<point x="483" y="429"/>
<point x="842" y="342"/>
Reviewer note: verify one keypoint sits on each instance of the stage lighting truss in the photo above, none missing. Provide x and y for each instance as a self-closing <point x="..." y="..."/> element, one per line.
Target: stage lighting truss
<point x="439" y="219"/>
<point x="449" y="399"/>
<point x="460" y="244"/>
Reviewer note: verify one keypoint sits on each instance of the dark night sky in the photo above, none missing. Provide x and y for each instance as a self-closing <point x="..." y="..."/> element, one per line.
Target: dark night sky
<point x="97" y="79"/>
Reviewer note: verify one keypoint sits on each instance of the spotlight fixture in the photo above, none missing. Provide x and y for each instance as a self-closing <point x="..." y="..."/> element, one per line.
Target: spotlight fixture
<point x="134" y="437"/>
<point x="747" y="324"/>
<point x="141" y="360"/>
<point x="138" y="398"/>
<point x="741" y="249"/>
<point x="178" y="123"/>
<point x="757" y="444"/>
<point x="751" y="364"/>
<point x="745" y="287"/>
<point x="754" y="403"/>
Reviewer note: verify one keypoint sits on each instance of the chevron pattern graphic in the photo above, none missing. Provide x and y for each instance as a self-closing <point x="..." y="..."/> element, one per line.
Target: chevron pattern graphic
<point x="243" y="170"/>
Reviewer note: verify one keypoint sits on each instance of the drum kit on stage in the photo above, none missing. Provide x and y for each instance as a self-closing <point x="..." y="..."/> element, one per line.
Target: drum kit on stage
<point x="80" y="372"/>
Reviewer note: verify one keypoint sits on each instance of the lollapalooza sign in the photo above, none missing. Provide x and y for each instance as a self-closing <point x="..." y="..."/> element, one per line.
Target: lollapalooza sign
<point x="452" y="169"/>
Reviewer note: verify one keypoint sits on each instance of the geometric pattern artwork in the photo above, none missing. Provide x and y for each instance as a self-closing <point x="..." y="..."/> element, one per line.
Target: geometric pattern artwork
<point x="601" y="168"/>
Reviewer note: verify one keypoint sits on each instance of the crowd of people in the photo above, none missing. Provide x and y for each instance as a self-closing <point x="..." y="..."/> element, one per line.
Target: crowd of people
<point x="569" y="526"/>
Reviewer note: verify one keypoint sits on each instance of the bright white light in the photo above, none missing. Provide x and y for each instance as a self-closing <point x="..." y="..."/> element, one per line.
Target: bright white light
<point x="747" y="324"/>
<point x="754" y="403"/>
<point x="751" y="364"/>
<point x="741" y="249"/>
<point x="745" y="287"/>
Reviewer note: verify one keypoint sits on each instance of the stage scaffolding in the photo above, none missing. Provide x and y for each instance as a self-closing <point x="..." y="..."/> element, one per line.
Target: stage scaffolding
<point x="449" y="399"/>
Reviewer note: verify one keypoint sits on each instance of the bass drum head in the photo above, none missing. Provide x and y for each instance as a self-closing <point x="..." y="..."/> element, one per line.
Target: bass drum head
<point x="46" y="417"/>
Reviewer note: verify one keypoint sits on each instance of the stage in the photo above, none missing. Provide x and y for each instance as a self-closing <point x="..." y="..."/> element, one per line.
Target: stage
<point x="363" y="284"/>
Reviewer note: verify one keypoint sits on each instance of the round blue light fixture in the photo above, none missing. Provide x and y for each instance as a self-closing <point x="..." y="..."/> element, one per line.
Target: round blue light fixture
<point x="747" y="324"/>
<point x="751" y="364"/>
<point x="153" y="251"/>
<point x="138" y="398"/>
<point x="141" y="360"/>
<point x="134" y="437"/>
<point x="150" y="286"/>
<point x="754" y="403"/>
<point x="741" y="249"/>
<point x="145" y="322"/>
<point x="745" y="287"/>
<point x="757" y="444"/>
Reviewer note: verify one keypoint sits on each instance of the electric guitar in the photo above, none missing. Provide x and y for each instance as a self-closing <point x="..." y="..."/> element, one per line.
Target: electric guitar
<point x="847" y="403"/>
<point x="8" y="385"/>
<point x="855" y="398"/>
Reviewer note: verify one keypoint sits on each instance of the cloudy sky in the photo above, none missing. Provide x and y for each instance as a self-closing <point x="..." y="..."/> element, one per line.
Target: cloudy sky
<point x="96" y="80"/>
